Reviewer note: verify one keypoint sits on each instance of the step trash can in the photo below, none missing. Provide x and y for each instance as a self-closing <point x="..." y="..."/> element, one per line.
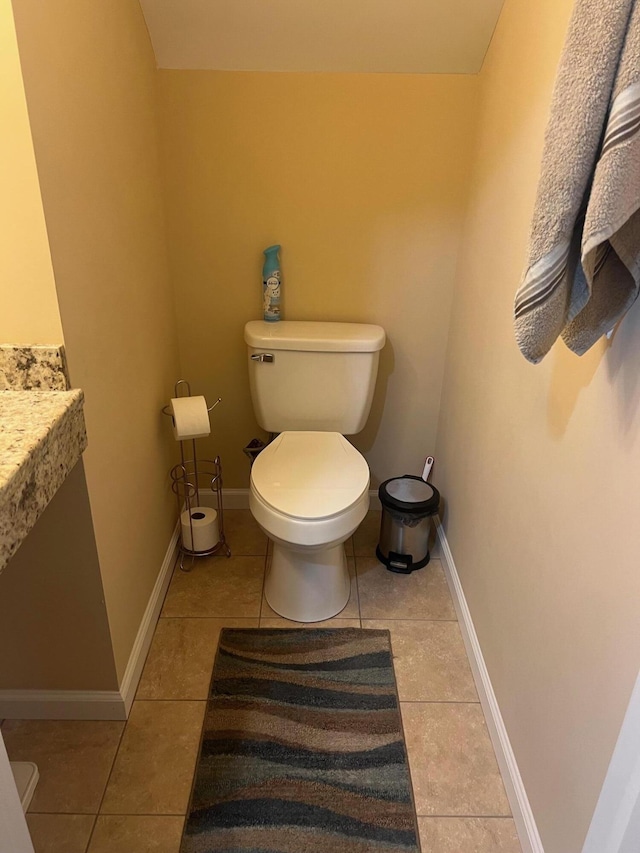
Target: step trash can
<point x="408" y="503"/>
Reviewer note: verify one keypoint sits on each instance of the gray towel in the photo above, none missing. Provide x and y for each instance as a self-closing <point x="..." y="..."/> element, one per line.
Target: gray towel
<point x="584" y="256"/>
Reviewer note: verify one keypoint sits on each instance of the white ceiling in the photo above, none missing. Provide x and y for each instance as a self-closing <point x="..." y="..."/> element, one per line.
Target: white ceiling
<point x="419" y="36"/>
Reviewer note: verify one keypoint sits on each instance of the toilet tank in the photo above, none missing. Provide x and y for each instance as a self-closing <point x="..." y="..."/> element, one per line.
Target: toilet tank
<point x="312" y="375"/>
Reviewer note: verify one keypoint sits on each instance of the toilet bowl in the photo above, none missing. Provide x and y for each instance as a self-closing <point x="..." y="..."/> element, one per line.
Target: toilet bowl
<point x="309" y="492"/>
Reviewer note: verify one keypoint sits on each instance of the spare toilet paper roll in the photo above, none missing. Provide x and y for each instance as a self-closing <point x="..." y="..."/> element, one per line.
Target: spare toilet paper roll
<point x="204" y="523"/>
<point x="190" y="418"/>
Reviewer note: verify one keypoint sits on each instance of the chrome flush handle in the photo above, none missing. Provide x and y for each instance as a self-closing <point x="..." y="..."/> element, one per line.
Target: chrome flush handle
<point x="262" y="356"/>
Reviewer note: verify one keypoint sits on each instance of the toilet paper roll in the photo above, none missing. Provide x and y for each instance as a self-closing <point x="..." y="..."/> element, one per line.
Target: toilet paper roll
<point x="190" y="418"/>
<point x="204" y="523"/>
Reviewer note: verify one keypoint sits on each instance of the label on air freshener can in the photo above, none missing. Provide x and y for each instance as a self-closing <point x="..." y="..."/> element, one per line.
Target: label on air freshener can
<point x="271" y="297"/>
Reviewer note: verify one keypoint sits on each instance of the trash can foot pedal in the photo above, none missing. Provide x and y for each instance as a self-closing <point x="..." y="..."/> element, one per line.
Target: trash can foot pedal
<point x="402" y="564"/>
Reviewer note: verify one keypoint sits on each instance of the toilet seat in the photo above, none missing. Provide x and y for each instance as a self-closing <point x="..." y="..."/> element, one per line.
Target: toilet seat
<point x="309" y="488"/>
<point x="310" y="475"/>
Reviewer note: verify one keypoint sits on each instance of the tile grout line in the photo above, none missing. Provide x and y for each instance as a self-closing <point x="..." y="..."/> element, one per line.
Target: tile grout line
<point x="259" y="616"/>
<point x="466" y="816"/>
<point x="402" y="619"/>
<point x="402" y="702"/>
<point x="215" y="616"/>
<point x="164" y="601"/>
<point x="264" y="580"/>
<point x="355" y="573"/>
<point x="439" y="701"/>
<point x="130" y="814"/>
<point x="183" y="814"/>
<point x="104" y="792"/>
<point x="266" y="616"/>
<point x="50" y="814"/>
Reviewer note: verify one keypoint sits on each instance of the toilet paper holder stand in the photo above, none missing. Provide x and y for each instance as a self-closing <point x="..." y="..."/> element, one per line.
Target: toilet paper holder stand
<point x="188" y="479"/>
<point x="176" y="393"/>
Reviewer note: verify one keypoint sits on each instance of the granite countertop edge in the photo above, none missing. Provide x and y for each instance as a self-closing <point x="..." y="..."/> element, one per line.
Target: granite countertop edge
<point x="42" y="436"/>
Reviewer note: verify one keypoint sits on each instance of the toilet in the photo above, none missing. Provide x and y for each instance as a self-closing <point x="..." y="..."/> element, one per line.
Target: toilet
<point x="312" y="383"/>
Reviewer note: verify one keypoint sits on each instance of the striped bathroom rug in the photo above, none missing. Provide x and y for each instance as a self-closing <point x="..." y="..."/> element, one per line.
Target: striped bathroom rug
<point x="302" y="748"/>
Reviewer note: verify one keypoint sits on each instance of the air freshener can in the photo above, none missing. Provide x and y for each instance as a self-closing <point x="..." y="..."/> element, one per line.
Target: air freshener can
<point x="271" y="285"/>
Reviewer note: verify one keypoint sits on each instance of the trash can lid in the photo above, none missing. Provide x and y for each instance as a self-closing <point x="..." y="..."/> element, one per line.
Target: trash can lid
<point x="409" y="494"/>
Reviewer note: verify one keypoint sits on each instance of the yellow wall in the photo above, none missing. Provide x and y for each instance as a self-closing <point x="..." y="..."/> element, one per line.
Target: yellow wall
<point x="28" y="303"/>
<point x="66" y="646"/>
<point x="90" y="80"/>
<point x="362" y="179"/>
<point x="540" y="465"/>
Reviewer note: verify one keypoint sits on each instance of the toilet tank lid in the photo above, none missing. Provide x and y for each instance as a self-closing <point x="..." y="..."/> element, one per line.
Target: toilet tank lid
<point x="303" y="335"/>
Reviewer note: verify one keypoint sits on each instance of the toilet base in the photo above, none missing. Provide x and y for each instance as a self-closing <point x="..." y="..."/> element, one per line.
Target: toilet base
<point x="308" y="585"/>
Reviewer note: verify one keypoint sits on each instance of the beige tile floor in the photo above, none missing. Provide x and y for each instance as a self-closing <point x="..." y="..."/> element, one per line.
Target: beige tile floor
<point x="110" y="787"/>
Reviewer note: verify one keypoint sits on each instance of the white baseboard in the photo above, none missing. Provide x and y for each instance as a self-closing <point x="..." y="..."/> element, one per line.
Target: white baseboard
<point x="61" y="705"/>
<point x="97" y="704"/>
<point x="147" y="627"/>
<point x="520" y="806"/>
<point x="233" y="498"/>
